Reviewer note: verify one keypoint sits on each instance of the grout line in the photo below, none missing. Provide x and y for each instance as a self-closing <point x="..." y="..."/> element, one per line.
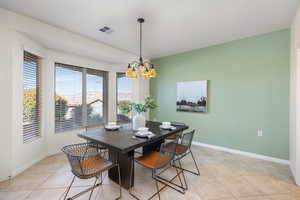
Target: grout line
<point x="27" y="197"/>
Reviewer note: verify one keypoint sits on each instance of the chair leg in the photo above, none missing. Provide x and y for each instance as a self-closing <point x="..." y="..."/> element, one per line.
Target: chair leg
<point x="83" y="192"/>
<point x="198" y="171"/>
<point x="182" y="171"/>
<point x="178" y="174"/>
<point x="184" y="187"/>
<point x="157" y="180"/>
<point x="179" y="188"/>
<point x="130" y="181"/>
<point x="93" y="188"/>
<point x="119" y="172"/>
<point x="165" y="185"/>
<point x="195" y="163"/>
<point x="69" y="187"/>
<point x="157" y="188"/>
<point x="101" y="176"/>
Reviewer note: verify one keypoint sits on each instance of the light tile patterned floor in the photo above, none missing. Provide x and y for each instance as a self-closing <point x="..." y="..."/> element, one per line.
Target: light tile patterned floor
<point x="224" y="176"/>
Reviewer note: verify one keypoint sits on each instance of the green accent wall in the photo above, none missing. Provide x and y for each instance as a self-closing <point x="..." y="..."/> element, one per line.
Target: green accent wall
<point x="248" y="88"/>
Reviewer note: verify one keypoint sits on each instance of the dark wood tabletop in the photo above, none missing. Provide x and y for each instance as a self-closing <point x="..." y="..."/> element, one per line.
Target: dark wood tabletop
<point x="123" y="141"/>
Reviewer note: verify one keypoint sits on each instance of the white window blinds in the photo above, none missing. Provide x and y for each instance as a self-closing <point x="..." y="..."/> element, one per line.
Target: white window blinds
<point x="31" y="97"/>
<point x="80" y="99"/>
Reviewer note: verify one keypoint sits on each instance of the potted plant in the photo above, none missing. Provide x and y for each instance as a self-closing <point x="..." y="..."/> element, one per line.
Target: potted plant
<point x="138" y="109"/>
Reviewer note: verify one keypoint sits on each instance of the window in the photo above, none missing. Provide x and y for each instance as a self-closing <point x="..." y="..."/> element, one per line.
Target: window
<point x="80" y="99"/>
<point x="31" y="97"/>
<point x="124" y="95"/>
<point x="95" y="91"/>
<point x="68" y="99"/>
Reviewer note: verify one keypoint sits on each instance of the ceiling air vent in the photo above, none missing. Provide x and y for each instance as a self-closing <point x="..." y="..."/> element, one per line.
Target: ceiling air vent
<point x="106" y="29"/>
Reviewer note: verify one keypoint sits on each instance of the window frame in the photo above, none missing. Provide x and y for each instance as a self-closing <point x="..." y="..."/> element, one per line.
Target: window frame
<point x="84" y="96"/>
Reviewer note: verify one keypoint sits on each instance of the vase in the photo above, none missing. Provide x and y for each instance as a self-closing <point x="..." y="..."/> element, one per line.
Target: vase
<point x="138" y="121"/>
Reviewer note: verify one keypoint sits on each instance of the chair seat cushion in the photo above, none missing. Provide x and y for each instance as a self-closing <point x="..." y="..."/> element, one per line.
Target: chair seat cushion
<point x="154" y="160"/>
<point x="92" y="166"/>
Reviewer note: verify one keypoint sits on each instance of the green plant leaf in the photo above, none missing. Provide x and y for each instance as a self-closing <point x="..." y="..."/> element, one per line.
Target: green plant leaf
<point x="125" y="106"/>
<point x="139" y="108"/>
<point x="150" y="103"/>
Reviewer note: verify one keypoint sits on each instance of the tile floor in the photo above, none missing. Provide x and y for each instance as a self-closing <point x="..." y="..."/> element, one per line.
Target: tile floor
<point x="224" y="176"/>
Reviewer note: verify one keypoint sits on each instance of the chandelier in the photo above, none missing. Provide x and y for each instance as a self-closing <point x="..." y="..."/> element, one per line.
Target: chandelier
<point x="141" y="67"/>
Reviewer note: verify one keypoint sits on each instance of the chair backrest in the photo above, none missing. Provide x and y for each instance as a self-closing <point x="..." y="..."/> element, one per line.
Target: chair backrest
<point x="165" y="155"/>
<point x="169" y="148"/>
<point x="79" y="155"/>
<point x="187" y="138"/>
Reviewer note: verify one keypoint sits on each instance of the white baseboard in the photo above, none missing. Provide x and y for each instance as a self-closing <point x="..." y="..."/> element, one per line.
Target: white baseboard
<point x="244" y="153"/>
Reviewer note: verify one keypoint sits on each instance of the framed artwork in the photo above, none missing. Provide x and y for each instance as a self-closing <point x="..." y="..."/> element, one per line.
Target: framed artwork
<point x="192" y="96"/>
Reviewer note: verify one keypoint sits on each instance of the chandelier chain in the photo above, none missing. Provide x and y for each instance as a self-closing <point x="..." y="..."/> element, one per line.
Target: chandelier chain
<point x="141" y="39"/>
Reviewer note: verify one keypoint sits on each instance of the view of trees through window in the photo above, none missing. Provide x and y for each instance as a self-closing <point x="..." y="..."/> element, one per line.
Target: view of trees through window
<point x="124" y="95"/>
<point x="79" y="100"/>
<point x="31" y="100"/>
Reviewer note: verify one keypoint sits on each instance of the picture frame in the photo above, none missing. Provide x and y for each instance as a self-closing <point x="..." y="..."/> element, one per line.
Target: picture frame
<point x="192" y="96"/>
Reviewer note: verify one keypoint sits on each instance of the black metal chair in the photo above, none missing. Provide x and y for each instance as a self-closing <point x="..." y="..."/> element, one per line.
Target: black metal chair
<point x="86" y="162"/>
<point x="159" y="161"/>
<point x="183" y="148"/>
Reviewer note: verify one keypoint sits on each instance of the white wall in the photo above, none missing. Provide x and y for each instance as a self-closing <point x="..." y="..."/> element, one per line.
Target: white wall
<point x="5" y="102"/>
<point x="19" y="33"/>
<point x="23" y="154"/>
<point x="295" y="98"/>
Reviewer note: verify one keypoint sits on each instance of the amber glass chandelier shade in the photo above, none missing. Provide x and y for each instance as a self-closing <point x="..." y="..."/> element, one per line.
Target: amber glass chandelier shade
<point x="147" y="76"/>
<point x="131" y="73"/>
<point x="152" y="73"/>
<point x="134" y="74"/>
<point x="142" y="69"/>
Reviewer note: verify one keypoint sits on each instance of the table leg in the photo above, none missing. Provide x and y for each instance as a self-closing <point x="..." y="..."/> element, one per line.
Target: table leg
<point x="125" y="162"/>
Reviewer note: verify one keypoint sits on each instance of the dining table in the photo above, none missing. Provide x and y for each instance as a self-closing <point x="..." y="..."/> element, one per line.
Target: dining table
<point x="122" y="143"/>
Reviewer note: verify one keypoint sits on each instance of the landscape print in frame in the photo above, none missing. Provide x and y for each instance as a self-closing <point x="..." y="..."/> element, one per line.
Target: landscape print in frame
<point x="192" y="96"/>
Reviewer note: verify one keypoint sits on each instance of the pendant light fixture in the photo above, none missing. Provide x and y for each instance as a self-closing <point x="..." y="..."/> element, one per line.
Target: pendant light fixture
<point x="141" y="67"/>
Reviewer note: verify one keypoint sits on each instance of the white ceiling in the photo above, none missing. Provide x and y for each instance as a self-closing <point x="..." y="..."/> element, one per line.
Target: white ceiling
<point x="171" y="26"/>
